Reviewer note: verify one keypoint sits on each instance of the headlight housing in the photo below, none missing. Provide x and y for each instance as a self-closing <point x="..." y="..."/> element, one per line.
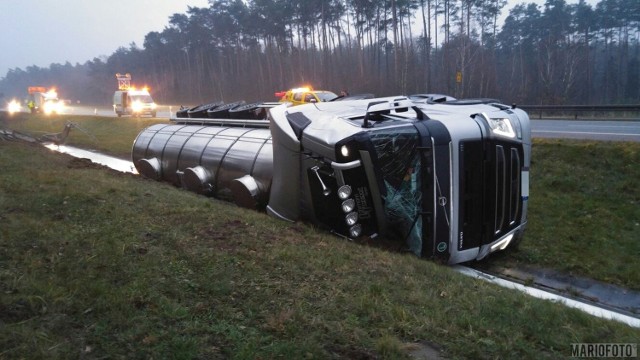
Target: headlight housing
<point x="502" y="127"/>
<point x="53" y="106"/>
<point x="344" y="192"/>
<point x="13" y="106"/>
<point x="137" y="106"/>
<point x="351" y="218"/>
<point x="355" y="230"/>
<point x="348" y="205"/>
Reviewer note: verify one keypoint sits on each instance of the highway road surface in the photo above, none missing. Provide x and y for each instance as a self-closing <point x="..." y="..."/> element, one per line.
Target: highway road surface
<point x="163" y="111"/>
<point x="585" y="129"/>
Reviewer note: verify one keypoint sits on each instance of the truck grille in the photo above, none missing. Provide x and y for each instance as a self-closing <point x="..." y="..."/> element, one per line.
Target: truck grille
<point x="490" y="191"/>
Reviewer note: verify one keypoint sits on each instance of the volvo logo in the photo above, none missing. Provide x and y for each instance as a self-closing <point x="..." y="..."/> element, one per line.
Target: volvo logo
<point x="442" y="201"/>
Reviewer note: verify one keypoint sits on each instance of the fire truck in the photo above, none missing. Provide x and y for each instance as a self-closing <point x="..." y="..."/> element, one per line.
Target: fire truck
<point x="448" y="179"/>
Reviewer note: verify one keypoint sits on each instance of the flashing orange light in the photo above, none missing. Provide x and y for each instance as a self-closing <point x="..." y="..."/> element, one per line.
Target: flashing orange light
<point x="51" y="94"/>
<point x="36" y="89"/>
<point x="143" y="89"/>
<point x="301" y="89"/>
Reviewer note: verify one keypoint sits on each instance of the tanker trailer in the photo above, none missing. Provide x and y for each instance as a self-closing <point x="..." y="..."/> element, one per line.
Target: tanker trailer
<point x="448" y="178"/>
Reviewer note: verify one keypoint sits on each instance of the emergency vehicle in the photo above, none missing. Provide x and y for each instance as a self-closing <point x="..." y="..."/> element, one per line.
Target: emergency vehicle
<point x="305" y="95"/>
<point x="127" y="100"/>
<point x="42" y="100"/>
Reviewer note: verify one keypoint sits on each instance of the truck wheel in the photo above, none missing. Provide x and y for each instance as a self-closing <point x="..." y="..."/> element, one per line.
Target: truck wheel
<point x="153" y="114"/>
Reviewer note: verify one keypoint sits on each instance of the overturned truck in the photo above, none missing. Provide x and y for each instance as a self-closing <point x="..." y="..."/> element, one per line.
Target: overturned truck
<point x="448" y="178"/>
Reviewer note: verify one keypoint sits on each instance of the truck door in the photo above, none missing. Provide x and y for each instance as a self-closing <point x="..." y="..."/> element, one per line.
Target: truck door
<point x="125" y="100"/>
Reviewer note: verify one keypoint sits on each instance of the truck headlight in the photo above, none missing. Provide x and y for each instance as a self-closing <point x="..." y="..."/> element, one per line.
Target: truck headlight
<point x="355" y="230"/>
<point x="344" y="150"/>
<point x="48" y="108"/>
<point x="344" y="192"/>
<point x="502" y="127"/>
<point x="351" y="218"/>
<point x="13" y="107"/>
<point x="348" y="205"/>
<point x="136" y="106"/>
<point x="153" y="106"/>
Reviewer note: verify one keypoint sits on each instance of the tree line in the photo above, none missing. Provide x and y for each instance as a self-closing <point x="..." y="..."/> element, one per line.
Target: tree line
<point x="558" y="53"/>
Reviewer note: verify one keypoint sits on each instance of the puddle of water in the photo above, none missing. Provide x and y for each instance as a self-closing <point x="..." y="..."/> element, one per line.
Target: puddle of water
<point x="102" y="159"/>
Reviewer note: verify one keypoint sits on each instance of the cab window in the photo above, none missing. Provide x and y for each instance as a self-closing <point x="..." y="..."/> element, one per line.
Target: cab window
<point x="297" y="96"/>
<point x="310" y="98"/>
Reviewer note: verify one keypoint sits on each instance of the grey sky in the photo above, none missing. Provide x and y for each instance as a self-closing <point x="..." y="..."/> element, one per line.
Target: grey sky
<point x="42" y="32"/>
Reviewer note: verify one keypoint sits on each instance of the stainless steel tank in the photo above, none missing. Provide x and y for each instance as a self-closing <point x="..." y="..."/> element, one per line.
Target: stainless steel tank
<point x="232" y="163"/>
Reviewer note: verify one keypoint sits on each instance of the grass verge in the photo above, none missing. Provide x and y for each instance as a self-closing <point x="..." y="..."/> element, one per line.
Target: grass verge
<point x="95" y="263"/>
<point x="584" y="211"/>
<point x="110" y="135"/>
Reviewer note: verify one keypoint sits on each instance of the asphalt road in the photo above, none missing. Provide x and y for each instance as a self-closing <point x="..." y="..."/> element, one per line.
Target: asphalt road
<point x="163" y="111"/>
<point x="584" y="129"/>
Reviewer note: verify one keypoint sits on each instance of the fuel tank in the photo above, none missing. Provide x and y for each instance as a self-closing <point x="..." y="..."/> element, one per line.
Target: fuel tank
<point x="232" y="163"/>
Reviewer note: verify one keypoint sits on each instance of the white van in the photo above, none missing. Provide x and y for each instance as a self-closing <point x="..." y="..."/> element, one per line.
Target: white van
<point x="133" y="102"/>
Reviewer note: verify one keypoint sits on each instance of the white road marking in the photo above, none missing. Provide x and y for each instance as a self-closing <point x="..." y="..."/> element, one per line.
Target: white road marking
<point x="583" y="132"/>
<point x="541" y="294"/>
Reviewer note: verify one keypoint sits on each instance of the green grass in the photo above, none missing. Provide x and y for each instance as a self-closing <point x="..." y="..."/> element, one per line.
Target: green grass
<point x="98" y="264"/>
<point x="584" y="212"/>
<point x="110" y="135"/>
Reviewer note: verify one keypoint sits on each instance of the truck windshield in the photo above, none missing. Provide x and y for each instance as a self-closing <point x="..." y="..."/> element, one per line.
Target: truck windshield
<point x="326" y="96"/>
<point x="142" y="98"/>
<point x="399" y="165"/>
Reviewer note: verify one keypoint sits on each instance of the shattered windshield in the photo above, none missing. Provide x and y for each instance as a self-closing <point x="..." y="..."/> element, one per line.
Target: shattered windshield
<point x="399" y="163"/>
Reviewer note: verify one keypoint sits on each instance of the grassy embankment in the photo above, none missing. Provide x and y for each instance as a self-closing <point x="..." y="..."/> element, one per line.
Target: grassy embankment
<point x="94" y="264"/>
<point x="110" y="135"/>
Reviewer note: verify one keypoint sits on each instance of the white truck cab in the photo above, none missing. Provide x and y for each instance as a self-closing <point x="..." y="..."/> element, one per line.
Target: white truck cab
<point x="133" y="102"/>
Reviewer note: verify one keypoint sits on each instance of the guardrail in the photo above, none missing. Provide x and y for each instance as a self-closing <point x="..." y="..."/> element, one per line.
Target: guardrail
<point x="628" y="111"/>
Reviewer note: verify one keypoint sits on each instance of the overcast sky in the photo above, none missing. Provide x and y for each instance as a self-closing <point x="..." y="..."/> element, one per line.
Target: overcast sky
<point x="42" y="32"/>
